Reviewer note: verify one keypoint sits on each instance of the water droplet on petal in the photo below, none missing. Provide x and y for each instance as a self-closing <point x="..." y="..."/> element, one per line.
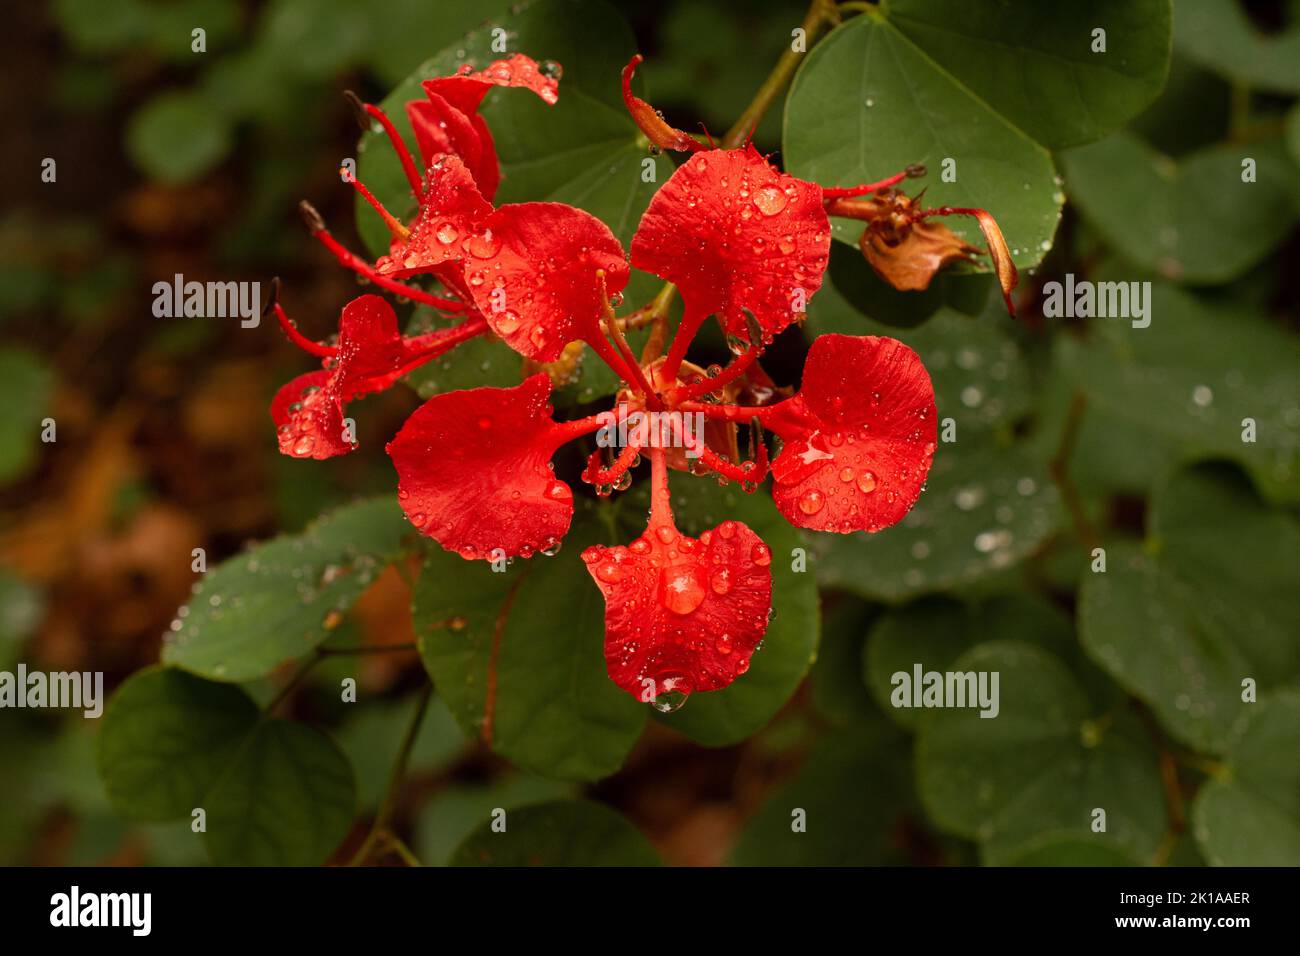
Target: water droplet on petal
<point x="812" y="502"/>
<point x="769" y="200"/>
<point x="683" y="588"/>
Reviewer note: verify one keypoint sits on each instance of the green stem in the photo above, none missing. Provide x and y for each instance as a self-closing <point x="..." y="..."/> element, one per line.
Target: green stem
<point x="820" y="13"/>
<point x="294" y="681"/>
<point x="395" y="778"/>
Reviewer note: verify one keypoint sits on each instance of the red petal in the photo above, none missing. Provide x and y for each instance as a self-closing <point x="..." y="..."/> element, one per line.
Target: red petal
<point x="487" y="172"/>
<point x="735" y="234"/>
<point x="450" y="212"/>
<point x="466" y="89"/>
<point x="859" y="436"/>
<point x="684" y="613"/>
<point x="474" y="471"/>
<point x="442" y="128"/>
<point x="308" y="417"/>
<point x="532" y="271"/>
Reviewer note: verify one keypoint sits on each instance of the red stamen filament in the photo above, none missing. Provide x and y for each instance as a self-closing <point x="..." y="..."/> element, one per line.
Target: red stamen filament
<point x="300" y="340"/>
<point x="708" y="386"/>
<point x="399" y="147"/>
<point x="394" y="227"/>
<point x="354" y="262"/>
<point x="608" y="476"/>
<point x="843" y="192"/>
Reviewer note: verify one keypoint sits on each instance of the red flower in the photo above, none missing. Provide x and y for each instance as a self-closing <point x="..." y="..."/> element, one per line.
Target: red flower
<point x="370" y="356"/>
<point x="741" y="241"/>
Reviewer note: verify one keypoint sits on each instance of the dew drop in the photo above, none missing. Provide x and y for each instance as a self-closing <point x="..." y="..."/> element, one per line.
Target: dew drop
<point x="812" y="502"/>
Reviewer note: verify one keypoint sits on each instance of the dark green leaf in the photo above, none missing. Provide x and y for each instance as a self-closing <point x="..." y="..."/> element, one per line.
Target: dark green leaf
<point x="178" y="137"/>
<point x="1250" y="814"/>
<point x="274" y="792"/>
<point x="563" y="833"/>
<point x="279" y="600"/>
<point x="983" y="510"/>
<point x="1218" y="34"/>
<point x="1216" y="606"/>
<point x="1192" y="378"/>
<point x="1036" y="772"/>
<point x="25" y="386"/>
<point x="1193" y="220"/>
<point x="519" y="657"/>
<point x="933" y="633"/>
<point x="853" y="791"/>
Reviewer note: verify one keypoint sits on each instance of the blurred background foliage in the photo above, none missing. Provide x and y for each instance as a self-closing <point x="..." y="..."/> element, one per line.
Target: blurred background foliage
<point x="1120" y="690"/>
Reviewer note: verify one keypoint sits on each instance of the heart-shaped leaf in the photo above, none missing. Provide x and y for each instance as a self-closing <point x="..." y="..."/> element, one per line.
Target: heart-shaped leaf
<point x="273" y="793"/>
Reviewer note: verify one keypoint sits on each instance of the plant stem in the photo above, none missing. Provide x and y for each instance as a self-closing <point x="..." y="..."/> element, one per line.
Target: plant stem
<point x="820" y="13"/>
<point x="294" y="681"/>
<point x="386" y="805"/>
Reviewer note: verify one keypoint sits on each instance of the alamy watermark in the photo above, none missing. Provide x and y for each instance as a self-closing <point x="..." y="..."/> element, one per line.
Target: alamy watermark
<point x="922" y="688"/>
<point x="79" y="690"/>
<point x="209" y="300"/>
<point x="668" y="429"/>
<point x="1103" y="300"/>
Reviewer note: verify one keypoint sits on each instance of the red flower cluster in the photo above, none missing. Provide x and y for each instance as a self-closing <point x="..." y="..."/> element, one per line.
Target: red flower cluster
<point x="740" y="241"/>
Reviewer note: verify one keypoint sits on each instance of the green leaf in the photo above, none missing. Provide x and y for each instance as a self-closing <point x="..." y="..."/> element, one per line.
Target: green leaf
<point x="165" y="739"/>
<point x="1250" y="814"/>
<point x="1034" y="774"/>
<point x="853" y="790"/>
<point x="723" y="717"/>
<point x="274" y="793"/>
<point x="984" y="509"/>
<point x="177" y="137"/>
<point x="287" y="799"/>
<point x="481" y="362"/>
<point x="1192" y="220"/>
<point x="280" y="599"/>
<point x="837" y="693"/>
<point x="935" y="632"/>
<point x="25" y="386"/>
<point x="1218" y="34"/>
<point x="584" y="151"/>
<point x="519" y="656"/>
<point x="454" y="812"/>
<point x="1035" y="62"/>
<point x="562" y="833"/>
<point x="1192" y="378"/>
<point x="1184" y="629"/>
<point x="867" y="102"/>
